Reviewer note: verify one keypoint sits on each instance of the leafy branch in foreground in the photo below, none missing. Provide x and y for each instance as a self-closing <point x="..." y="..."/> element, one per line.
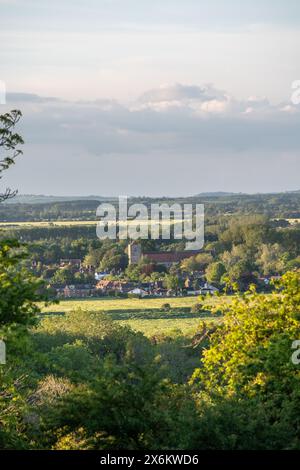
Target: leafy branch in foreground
<point x="19" y="290"/>
<point x="9" y="141"/>
<point x="250" y="352"/>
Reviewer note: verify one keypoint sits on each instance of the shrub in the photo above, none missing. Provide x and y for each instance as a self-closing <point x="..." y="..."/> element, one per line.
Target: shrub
<point x="197" y="308"/>
<point x="166" y="307"/>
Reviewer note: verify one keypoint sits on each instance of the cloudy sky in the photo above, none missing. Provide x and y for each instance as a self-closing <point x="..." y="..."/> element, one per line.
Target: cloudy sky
<point x="153" y="97"/>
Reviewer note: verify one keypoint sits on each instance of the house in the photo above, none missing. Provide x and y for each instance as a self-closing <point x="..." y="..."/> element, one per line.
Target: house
<point x="159" y="292"/>
<point x="208" y="289"/>
<point x="138" y="291"/>
<point x="79" y="291"/>
<point x="105" y="286"/>
<point x="101" y="275"/>
<point x="194" y="292"/>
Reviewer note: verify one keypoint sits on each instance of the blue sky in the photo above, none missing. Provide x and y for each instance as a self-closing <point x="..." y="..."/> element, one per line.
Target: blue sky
<point x="196" y="92"/>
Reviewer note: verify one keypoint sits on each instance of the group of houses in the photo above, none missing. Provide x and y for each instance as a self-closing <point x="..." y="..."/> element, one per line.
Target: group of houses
<point x="106" y="287"/>
<point x="103" y="286"/>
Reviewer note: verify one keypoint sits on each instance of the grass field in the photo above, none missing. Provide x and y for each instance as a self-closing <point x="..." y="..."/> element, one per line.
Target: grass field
<point x="71" y="223"/>
<point x="184" y="326"/>
<point x="56" y="223"/>
<point x="144" y="315"/>
<point x="109" y="304"/>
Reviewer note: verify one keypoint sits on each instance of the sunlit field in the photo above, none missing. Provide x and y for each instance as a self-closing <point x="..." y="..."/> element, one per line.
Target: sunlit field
<point x="78" y="223"/>
<point x="109" y="303"/>
<point x="184" y="326"/>
<point x="145" y="315"/>
<point x="42" y="224"/>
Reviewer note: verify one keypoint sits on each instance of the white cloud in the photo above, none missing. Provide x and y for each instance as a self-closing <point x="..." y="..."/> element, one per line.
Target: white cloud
<point x="200" y="99"/>
<point x="186" y="116"/>
<point x="165" y="128"/>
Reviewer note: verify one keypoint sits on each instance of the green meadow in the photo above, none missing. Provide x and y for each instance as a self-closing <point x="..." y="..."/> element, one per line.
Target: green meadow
<point x="145" y="315"/>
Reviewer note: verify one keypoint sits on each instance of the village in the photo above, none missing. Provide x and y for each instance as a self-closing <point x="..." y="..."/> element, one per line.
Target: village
<point x="112" y="283"/>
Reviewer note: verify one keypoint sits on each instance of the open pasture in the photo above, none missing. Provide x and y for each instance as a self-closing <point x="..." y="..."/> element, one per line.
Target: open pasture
<point x="145" y="315"/>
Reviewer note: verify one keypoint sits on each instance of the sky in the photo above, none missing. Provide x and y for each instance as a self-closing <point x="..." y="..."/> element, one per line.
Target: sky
<point x="153" y="97"/>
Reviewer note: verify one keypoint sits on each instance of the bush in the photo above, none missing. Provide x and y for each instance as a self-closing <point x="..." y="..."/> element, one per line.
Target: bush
<point x="166" y="307"/>
<point x="197" y="308"/>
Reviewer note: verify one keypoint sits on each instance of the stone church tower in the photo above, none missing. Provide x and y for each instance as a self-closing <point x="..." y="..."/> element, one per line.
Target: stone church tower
<point x="134" y="252"/>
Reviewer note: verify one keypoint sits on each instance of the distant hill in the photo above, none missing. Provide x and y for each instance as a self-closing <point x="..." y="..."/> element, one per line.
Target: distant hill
<point x="42" y="199"/>
<point x="224" y="193"/>
<point x="36" y="208"/>
<point x="218" y="194"/>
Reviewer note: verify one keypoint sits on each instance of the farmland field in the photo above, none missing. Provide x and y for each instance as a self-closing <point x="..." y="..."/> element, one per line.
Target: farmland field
<point x="72" y="223"/>
<point x="46" y="224"/>
<point x="145" y="315"/>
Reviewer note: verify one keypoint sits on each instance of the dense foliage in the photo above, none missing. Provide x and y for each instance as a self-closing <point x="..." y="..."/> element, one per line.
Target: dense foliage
<point x="18" y="288"/>
<point x="81" y="381"/>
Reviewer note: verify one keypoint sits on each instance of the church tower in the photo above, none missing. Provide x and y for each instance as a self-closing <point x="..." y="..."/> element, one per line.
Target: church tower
<point x="134" y="252"/>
